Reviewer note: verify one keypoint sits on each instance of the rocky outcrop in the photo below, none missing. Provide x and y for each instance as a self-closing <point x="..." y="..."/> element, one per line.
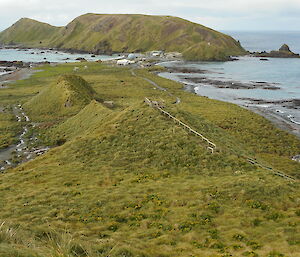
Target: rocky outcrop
<point x="285" y="48"/>
<point x="283" y="52"/>
<point x="17" y="64"/>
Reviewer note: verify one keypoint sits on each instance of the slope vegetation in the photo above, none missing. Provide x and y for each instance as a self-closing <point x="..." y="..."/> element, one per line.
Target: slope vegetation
<point x="67" y="96"/>
<point x="28" y="32"/>
<point x="128" y="181"/>
<point x="108" y="33"/>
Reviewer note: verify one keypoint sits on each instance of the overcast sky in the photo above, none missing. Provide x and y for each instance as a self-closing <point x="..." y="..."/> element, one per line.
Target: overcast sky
<point x="217" y="14"/>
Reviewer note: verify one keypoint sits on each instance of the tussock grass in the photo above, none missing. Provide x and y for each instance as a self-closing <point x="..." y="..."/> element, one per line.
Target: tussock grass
<point x="127" y="181"/>
<point x="9" y="128"/>
<point x="65" y="97"/>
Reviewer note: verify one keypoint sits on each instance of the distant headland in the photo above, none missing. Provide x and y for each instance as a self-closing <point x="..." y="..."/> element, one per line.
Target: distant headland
<point x="125" y="33"/>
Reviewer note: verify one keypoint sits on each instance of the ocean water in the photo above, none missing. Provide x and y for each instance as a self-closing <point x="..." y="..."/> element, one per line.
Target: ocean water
<point x="36" y="55"/>
<point x="267" y="40"/>
<point x="284" y="74"/>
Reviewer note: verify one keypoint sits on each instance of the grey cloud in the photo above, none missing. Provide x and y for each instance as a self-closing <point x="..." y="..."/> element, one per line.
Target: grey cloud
<point x="218" y="14"/>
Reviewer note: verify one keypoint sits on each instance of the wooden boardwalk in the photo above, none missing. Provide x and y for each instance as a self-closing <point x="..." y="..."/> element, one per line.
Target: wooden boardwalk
<point x="275" y="172"/>
<point x="211" y="146"/>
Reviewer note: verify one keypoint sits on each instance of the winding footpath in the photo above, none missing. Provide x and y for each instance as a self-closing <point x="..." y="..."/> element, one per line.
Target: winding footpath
<point x="178" y="100"/>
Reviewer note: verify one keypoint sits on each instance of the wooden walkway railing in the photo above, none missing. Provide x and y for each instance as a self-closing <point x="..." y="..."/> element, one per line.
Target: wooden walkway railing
<point x="275" y="172"/>
<point x="211" y="146"/>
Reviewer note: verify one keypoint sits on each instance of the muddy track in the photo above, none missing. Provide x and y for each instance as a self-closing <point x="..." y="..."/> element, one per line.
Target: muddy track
<point x="178" y="100"/>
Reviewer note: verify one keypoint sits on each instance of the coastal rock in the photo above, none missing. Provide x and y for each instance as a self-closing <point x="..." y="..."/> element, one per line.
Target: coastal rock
<point x="285" y="47"/>
<point x="81" y="59"/>
<point x="296" y="158"/>
<point x="229" y="84"/>
<point x="283" y="52"/>
<point x="17" y="64"/>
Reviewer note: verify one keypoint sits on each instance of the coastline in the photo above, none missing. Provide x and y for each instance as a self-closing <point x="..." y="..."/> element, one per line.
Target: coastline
<point x="25" y="48"/>
<point x="19" y="74"/>
<point x="190" y="85"/>
<point x="277" y="120"/>
<point x="28" y="57"/>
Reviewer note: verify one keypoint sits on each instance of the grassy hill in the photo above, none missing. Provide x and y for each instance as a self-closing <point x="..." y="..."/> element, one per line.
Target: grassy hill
<point x="64" y="97"/>
<point x="108" y="33"/>
<point x="128" y="181"/>
<point x="28" y="32"/>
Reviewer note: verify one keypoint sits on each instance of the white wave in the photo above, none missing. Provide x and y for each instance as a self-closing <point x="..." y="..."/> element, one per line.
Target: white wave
<point x="296" y="122"/>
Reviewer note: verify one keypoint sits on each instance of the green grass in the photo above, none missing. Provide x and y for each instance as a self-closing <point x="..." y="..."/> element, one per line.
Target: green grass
<point x="127" y="181"/>
<point x="228" y="125"/>
<point x="28" y="31"/>
<point x="115" y="33"/>
<point x="66" y="96"/>
<point x="9" y="128"/>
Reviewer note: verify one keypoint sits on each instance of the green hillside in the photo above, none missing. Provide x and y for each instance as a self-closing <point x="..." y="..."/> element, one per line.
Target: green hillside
<point x="64" y="97"/>
<point x="28" y="32"/>
<point x="127" y="181"/>
<point x="115" y="33"/>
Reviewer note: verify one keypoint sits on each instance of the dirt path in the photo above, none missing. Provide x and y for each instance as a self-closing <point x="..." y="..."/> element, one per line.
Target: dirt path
<point x="178" y="100"/>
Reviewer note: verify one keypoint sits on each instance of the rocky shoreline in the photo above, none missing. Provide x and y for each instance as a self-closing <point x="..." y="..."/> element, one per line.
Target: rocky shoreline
<point x="190" y="79"/>
<point x="216" y="82"/>
<point x="68" y="50"/>
<point x="17" y="74"/>
<point x="283" y="52"/>
<point x="8" y="68"/>
<point x="231" y="84"/>
<point x="18" y="69"/>
<point x="22" y="57"/>
<point x="289" y="104"/>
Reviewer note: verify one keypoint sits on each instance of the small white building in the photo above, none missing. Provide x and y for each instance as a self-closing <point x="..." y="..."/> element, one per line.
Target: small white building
<point x="157" y="53"/>
<point x="124" y="62"/>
